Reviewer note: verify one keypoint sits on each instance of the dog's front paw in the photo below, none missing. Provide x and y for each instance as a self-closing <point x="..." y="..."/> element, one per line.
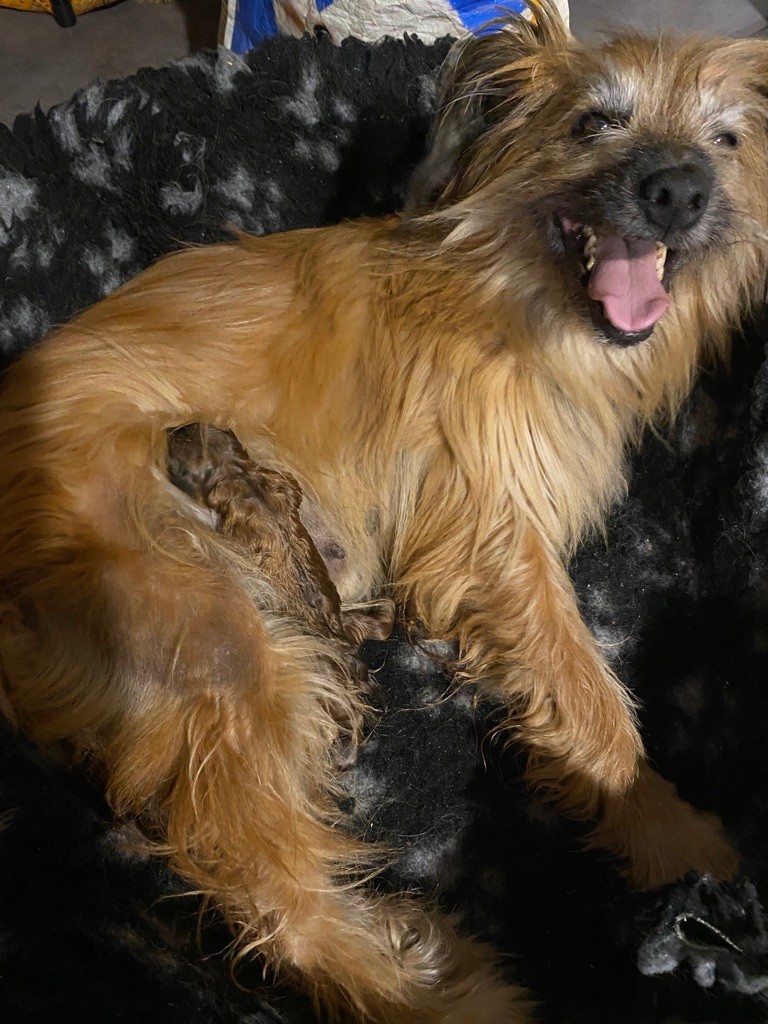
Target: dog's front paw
<point x="661" y="837"/>
<point x="719" y="931"/>
<point x="693" y="841"/>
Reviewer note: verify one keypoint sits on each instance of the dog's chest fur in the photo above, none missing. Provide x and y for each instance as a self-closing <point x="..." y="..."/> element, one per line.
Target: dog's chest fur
<point x="507" y="442"/>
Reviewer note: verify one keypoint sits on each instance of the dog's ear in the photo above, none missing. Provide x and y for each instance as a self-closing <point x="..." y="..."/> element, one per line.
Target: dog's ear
<point x="744" y="59"/>
<point x="484" y="80"/>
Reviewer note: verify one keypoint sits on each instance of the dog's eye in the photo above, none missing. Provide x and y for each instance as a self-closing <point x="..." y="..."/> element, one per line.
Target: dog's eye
<point x="727" y="140"/>
<point x="592" y="123"/>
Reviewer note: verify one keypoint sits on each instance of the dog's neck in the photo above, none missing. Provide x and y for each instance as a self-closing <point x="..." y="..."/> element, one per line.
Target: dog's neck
<point x="531" y="405"/>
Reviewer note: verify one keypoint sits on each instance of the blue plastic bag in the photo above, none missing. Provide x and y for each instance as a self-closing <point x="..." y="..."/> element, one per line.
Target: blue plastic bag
<point x="246" y="22"/>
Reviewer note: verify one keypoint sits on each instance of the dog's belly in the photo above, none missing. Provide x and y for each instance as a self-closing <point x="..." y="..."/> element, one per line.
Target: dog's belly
<point x="343" y="514"/>
<point x="353" y="563"/>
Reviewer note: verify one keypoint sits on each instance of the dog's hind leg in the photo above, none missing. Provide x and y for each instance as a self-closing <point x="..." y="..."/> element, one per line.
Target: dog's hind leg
<point x="220" y="744"/>
<point x="125" y="631"/>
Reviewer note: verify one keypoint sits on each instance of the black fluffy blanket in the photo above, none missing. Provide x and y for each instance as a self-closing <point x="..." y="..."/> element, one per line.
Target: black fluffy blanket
<point x="300" y="134"/>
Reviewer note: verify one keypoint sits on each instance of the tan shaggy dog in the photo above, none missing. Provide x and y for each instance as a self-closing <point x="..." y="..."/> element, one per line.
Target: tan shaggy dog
<point x="455" y="392"/>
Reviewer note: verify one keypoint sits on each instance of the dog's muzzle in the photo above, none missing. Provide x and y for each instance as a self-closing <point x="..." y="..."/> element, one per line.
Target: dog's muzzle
<point x="626" y="245"/>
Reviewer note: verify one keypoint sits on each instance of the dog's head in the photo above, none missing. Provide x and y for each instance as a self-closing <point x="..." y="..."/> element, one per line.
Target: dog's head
<point x="623" y="178"/>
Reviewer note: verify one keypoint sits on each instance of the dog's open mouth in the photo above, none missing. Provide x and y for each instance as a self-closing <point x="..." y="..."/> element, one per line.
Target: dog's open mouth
<point x="623" y="278"/>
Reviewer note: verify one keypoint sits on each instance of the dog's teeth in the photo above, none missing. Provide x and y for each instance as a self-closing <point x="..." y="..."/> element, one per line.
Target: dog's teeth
<point x="661" y="259"/>
<point x="590" y="244"/>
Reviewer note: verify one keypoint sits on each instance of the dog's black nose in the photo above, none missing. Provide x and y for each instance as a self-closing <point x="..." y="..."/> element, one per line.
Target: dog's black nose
<point x="674" y="198"/>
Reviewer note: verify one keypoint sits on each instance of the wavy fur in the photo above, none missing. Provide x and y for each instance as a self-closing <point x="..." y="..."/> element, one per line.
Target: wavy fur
<point x="433" y="385"/>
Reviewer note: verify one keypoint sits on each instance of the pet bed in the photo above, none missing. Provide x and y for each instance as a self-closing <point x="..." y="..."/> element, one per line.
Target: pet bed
<point x="302" y="133"/>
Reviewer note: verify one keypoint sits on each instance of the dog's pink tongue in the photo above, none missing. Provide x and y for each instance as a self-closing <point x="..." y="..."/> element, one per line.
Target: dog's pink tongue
<point x="624" y="280"/>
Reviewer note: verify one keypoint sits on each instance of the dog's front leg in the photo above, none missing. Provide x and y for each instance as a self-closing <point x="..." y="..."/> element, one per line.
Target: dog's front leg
<point x="521" y="630"/>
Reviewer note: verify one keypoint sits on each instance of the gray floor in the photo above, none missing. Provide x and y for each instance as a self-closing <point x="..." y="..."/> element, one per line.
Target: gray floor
<point x="714" y="17"/>
<point x="40" y="62"/>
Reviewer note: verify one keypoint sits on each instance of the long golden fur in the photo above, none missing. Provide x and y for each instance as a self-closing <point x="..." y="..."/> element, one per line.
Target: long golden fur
<point x="458" y="423"/>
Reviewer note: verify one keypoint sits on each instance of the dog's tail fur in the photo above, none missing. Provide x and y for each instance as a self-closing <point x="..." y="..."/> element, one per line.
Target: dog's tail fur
<point x="128" y="632"/>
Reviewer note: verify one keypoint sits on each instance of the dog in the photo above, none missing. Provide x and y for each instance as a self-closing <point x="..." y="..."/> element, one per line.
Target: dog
<point x="455" y="391"/>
